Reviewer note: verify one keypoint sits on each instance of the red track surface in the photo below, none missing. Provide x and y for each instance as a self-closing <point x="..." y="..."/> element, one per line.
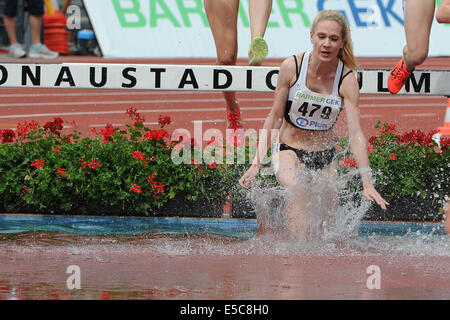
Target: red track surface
<point x="96" y="108"/>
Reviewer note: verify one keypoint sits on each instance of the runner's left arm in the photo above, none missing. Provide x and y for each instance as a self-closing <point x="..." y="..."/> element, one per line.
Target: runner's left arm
<point x="350" y="92"/>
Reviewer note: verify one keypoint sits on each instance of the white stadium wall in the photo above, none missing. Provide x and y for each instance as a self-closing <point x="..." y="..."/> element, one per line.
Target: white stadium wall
<point x="179" y="28"/>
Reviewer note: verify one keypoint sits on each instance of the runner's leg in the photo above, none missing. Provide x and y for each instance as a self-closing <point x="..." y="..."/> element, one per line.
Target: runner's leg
<point x="222" y="16"/>
<point x="419" y="16"/>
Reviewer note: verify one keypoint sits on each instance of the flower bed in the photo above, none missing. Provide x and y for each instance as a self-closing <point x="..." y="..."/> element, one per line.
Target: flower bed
<point x="121" y="172"/>
<point x="131" y="171"/>
<point x="410" y="170"/>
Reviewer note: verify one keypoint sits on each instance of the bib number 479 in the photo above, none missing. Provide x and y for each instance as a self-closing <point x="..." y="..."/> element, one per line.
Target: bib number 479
<point x="305" y="108"/>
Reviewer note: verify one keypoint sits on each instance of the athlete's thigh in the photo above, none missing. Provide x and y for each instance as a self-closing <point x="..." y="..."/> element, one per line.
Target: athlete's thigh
<point x="419" y="16"/>
<point x="287" y="165"/>
<point x="222" y="17"/>
<point x="329" y="185"/>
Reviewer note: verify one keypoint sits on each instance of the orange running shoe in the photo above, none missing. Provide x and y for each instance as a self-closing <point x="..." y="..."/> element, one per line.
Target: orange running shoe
<point x="234" y="121"/>
<point x="235" y="134"/>
<point x="398" y="76"/>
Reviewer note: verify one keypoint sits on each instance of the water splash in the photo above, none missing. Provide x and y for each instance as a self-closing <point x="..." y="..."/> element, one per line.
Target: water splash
<point x="330" y="229"/>
<point x="317" y="207"/>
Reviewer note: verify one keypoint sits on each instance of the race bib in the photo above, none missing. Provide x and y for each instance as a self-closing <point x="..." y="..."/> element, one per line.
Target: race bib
<point x="315" y="111"/>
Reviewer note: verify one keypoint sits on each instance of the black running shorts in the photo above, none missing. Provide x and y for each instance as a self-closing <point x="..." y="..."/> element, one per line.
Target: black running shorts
<point x="35" y="7"/>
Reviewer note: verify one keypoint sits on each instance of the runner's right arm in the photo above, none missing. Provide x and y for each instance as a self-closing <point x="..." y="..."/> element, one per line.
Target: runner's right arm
<point x="273" y="121"/>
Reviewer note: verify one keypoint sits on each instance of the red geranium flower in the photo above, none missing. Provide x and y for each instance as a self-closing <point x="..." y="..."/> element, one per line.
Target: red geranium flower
<point x="164" y="120"/>
<point x="83" y="163"/>
<point x="372" y="140"/>
<point x="94" y="164"/>
<point x="54" y="126"/>
<point x="37" y="164"/>
<point x="23" y="129"/>
<point x="138" y="155"/>
<point x="135" y="188"/>
<point x="57" y="150"/>
<point x="132" y="113"/>
<point x="387" y="128"/>
<point x="107" y="132"/>
<point x="156" y="135"/>
<point x="158" y="186"/>
<point x="212" y="165"/>
<point x="444" y="143"/>
<point x="67" y="139"/>
<point x="7" y="135"/>
<point x="348" y="163"/>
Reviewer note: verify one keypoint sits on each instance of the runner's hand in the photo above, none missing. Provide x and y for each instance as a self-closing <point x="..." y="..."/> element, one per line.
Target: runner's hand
<point x="249" y="176"/>
<point x="371" y="194"/>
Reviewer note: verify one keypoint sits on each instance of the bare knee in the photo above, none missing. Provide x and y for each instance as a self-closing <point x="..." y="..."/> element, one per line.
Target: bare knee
<point x="417" y="56"/>
<point x="441" y="17"/>
<point x="286" y="178"/>
<point x="227" y="58"/>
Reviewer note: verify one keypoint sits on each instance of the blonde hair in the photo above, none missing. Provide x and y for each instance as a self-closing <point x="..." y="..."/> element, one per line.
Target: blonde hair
<point x="346" y="53"/>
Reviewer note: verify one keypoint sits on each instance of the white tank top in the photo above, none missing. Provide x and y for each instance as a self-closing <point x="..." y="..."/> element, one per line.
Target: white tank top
<point x="310" y="110"/>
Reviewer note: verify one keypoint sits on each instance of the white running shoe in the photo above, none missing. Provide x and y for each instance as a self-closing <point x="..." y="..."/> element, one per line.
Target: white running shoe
<point x="16" y="51"/>
<point x="40" y="51"/>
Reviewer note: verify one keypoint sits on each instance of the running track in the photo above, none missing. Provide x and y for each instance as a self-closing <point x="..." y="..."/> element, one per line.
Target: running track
<point x="95" y="108"/>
